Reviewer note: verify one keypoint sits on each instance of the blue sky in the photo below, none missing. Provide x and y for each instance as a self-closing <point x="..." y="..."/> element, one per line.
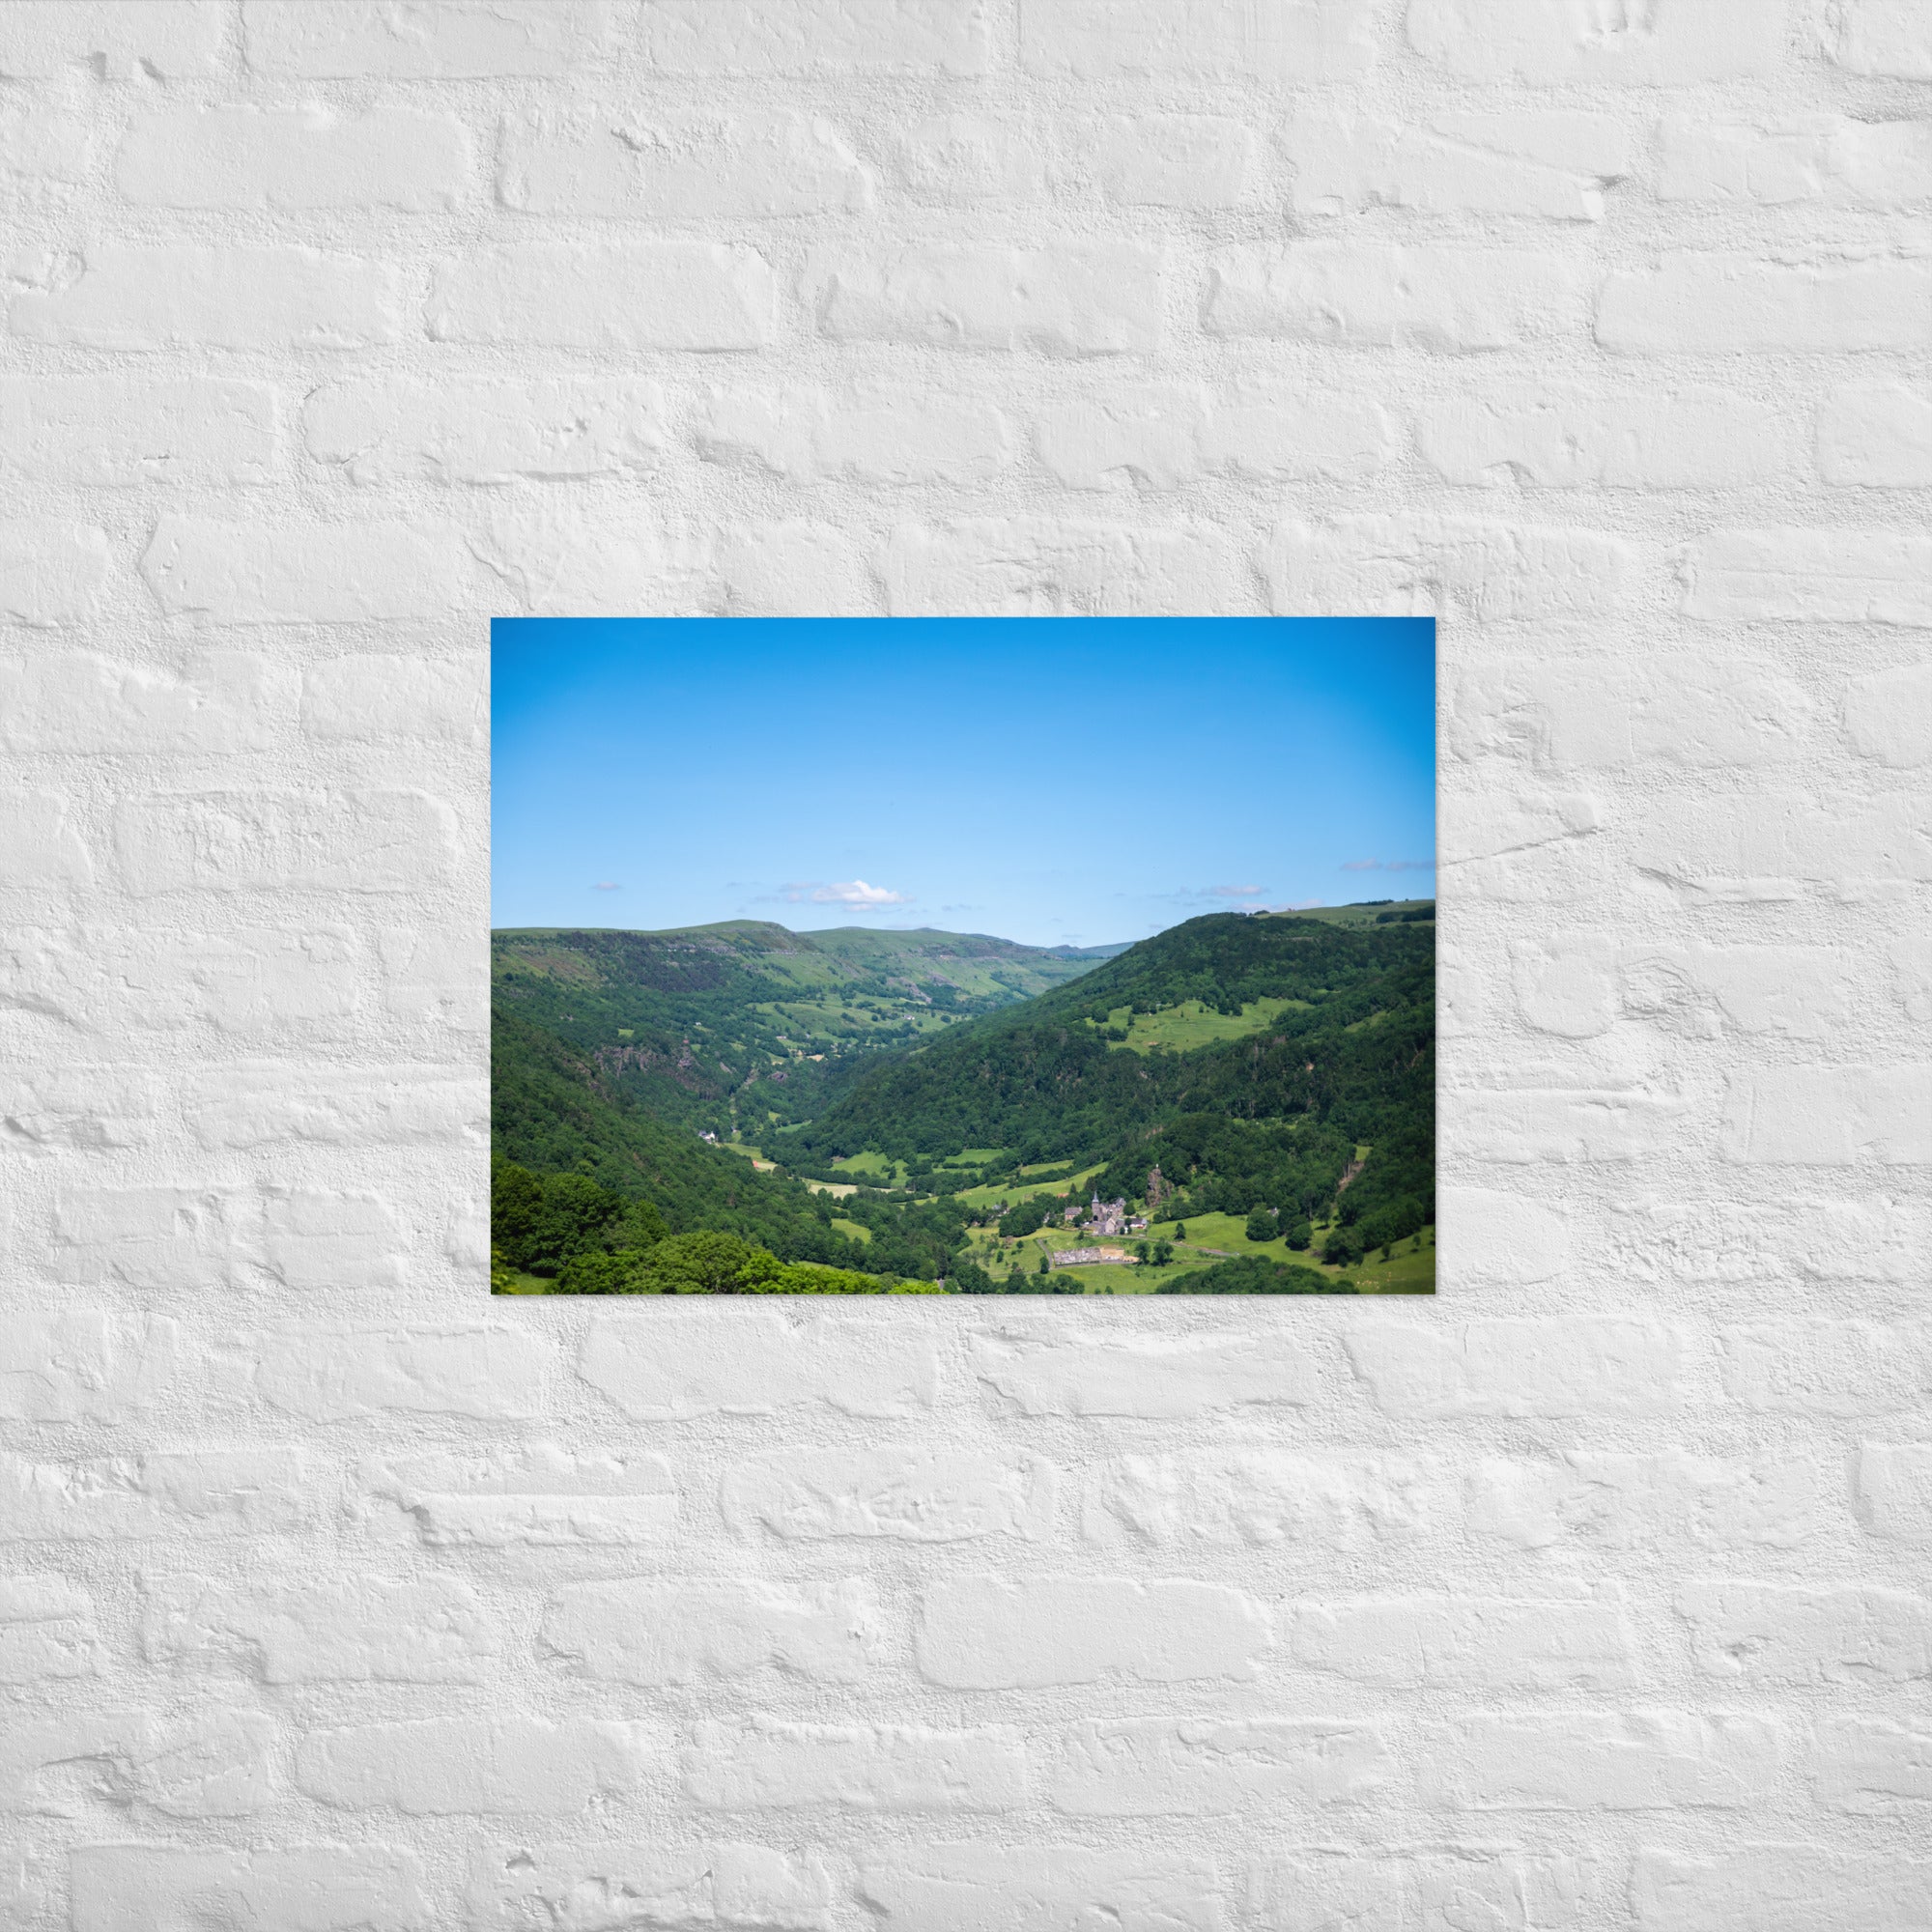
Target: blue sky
<point x="1054" y="781"/>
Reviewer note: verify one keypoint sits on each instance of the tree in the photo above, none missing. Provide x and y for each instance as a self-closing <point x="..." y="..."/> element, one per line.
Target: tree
<point x="1260" y="1225"/>
<point x="1180" y="1231"/>
<point x="703" y="1264"/>
<point x="1299" y="1234"/>
<point x="1163" y="1253"/>
<point x="1341" y="1248"/>
<point x="1045" y="1265"/>
<point x="1141" y="1255"/>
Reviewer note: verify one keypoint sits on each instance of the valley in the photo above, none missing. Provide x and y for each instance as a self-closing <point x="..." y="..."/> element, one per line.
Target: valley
<point x="899" y="1110"/>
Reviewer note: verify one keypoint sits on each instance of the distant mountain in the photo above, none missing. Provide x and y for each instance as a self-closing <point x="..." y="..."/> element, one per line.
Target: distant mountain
<point x="743" y="1027"/>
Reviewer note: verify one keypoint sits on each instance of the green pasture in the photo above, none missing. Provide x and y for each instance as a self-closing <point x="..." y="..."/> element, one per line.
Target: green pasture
<point x="854" y="1231"/>
<point x="1182" y="1028"/>
<point x="984" y="1197"/>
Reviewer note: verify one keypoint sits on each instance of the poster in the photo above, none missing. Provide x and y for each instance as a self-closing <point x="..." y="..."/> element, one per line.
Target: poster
<point x="963" y="956"/>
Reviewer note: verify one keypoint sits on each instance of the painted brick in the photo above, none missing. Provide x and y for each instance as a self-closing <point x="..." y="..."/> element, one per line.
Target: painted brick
<point x="1451" y="567"/>
<point x="69" y="1364"/>
<point x="1556" y="166"/>
<point x="1039" y="1888"/>
<point x="1370" y="295"/>
<point x="112" y="432"/>
<point x="790" y="568"/>
<point x="1822" y="158"/>
<point x="701" y="37"/>
<point x="1677" y="42"/>
<point x="745" y="1361"/>
<point x="1585" y="1365"/>
<point x="1789" y="1634"/>
<point x="639" y="295"/>
<point x="715" y="1885"/>
<point x="1157" y="440"/>
<point x="124" y="1887"/>
<point x="1591" y="1499"/>
<point x="1436" y="1890"/>
<point x="1601" y="1762"/>
<point x="294" y="158"/>
<point x="807" y="435"/>
<point x="1098" y="40"/>
<point x="1031" y="567"/>
<point x="47" y="1631"/>
<point x="385" y="430"/>
<point x="758" y="1764"/>
<point x="51" y="572"/>
<point x="1866" y="1763"/>
<point x="221" y="701"/>
<point x="213" y="1764"/>
<point x="1831" y="1115"/>
<point x="1785" y="847"/>
<point x="1047" y="1370"/>
<point x="46" y="38"/>
<point x="1831" y="1367"/>
<point x="903" y="1494"/>
<point x="323" y="574"/>
<point x="955" y="159"/>
<point x="459" y="1767"/>
<point x="183" y="297"/>
<point x="456" y="39"/>
<point x="334" y="1372"/>
<point x="1173" y="160"/>
<point x="434" y="1630"/>
<point x="1857" y="576"/>
<point x="1859" y="1237"/>
<point x="1076" y="299"/>
<point x="191" y="1494"/>
<point x="656" y="1633"/>
<point x="1877" y="434"/>
<point x="1709" y="304"/>
<point x="1881" y="37"/>
<point x="1567" y="438"/>
<point x="365" y="842"/>
<point x="1468" y="1642"/>
<point x="38" y="846"/>
<point x="541" y="1497"/>
<point x="1780" y="1887"/>
<point x="40" y="144"/>
<point x="681" y="170"/>
<point x="983" y="1634"/>
<point x="1260" y="1496"/>
<point x="434" y="977"/>
<point x="1210" y="1767"/>
<point x="154" y="1237"/>
<point x="1895" y="1489"/>
<point x="367" y="699"/>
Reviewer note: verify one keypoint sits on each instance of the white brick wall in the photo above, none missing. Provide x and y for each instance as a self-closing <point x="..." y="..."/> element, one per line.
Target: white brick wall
<point x="1592" y="1595"/>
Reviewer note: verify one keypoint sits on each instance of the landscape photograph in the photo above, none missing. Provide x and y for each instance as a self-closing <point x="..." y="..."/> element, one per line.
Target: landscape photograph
<point x="963" y="956"/>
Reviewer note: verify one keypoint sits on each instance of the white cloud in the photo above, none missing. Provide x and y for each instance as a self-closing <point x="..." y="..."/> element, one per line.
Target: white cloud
<point x="1234" y="891"/>
<point x="854" y="894"/>
<point x="605" y="886"/>
<point x="1388" y="865"/>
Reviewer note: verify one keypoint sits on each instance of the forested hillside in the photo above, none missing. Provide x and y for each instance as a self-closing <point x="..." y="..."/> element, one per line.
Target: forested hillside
<point x="958" y="1096"/>
<point x="1342" y="1055"/>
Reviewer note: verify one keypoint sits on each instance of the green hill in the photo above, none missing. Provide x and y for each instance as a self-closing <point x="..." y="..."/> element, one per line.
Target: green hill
<point x="1341" y="1058"/>
<point x="743" y="1028"/>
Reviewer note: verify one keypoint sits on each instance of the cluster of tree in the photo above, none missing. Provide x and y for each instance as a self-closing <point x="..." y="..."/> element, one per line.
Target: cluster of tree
<point x="705" y="1262"/>
<point x="1255" y="1274"/>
